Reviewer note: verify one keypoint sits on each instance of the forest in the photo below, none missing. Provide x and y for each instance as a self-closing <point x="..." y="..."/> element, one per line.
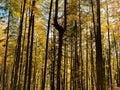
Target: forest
<point x="59" y="44"/>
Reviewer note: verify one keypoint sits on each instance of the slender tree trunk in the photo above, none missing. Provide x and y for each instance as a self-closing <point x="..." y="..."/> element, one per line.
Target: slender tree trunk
<point x="77" y="63"/>
<point x="75" y="58"/>
<point x="117" y="59"/>
<point x="65" y="26"/>
<point x="6" y="51"/>
<point x="99" y="59"/>
<point x="71" y="65"/>
<point x="65" y="63"/>
<point x="64" y="75"/>
<point x="109" y="52"/>
<point x="46" y="52"/>
<point x="80" y="50"/>
<point x="27" y="52"/>
<point x="92" y="61"/>
<point x="31" y="50"/>
<point x="92" y="58"/>
<point x="22" y="55"/>
<point x="65" y="68"/>
<point x="18" y="51"/>
<point x="87" y="74"/>
<point x="53" y="62"/>
<point x="93" y="17"/>
<point x="35" y="68"/>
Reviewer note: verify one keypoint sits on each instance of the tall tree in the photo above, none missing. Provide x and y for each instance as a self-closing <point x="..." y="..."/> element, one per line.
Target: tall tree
<point x="18" y="48"/>
<point x="109" y="47"/>
<point x="61" y="31"/>
<point x="99" y="59"/>
<point x="31" y="48"/>
<point x="46" y="52"/>
<point x="28" y="50"/>
<point x="6" y="51"/>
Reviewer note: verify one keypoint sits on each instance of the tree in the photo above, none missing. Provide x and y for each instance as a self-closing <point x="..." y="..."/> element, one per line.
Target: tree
<point x="99" y="59"/>
<point x="6" y="51"/>
<point x="18" y="49"/>
<point x="109" y="44"/>
<point x="46" y="52"/>
<point x="61" y="31"/>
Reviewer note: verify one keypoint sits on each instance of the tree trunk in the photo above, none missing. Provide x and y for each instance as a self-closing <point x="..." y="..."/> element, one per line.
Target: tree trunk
<point x="92" y="62"/>
<point x="59" y="59"/>
<point x="27" y="52"/>
<point x="109" y="49"/>
<point x="18" y="49"/>
<point x="117" y="59"/>
<point x="87" y="74"/>
<point x="99" y="60"/>
<point x="22" y="55"/>
<point x="31" y="50"/>
<point x="71" y="65"/>
<point x="6" y="51"/>
<point x="35" y="68"/>
<point x="61" y="31"/>
<point x="53" y="63"/>
<point x="46" y="51"/>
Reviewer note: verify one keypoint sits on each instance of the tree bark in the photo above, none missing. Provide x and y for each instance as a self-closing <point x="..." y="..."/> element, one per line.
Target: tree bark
<point x="18" y="49"/>
<point x="46" y="51"/>
<point x="6" y="51"/>
<point x="61" y="31"/>
<point x="27" y="52"/>
<point x="109" y="49"/>
<point x="99" y="59"/>
<point x="31" y="49"/>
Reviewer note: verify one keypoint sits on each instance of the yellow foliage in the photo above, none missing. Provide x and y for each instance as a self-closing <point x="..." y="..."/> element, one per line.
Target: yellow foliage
<point x="116" y="35"/>
<point x="40" y="32"/>
<point x="0" y="60"/>
<point x="73" y="17"/>
<point x="17" y="14"/>
<point x="2" y="37"/>
<point x="104" y="29"/>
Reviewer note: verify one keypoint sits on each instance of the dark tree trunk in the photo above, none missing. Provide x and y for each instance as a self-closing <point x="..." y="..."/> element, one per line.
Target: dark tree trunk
<point x="61" y="31"/>
<point x="87" y="74"/>
<point x="99" y="59"/>
<point x="71" y="65"/>
<point x="18" y="49"/>
<point x="93" y="81"/>
<point x="22" y="55"/>
<point x="109" y="52"/>
<point x="31" y="50"/>
<point x="92" y="62"/>
<point x="27" y="52"/>
<point x="53" y="63"/>
<point x="59" y="59"/>
<point x="6" y="51"/>
<point x="46" y="51"/>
